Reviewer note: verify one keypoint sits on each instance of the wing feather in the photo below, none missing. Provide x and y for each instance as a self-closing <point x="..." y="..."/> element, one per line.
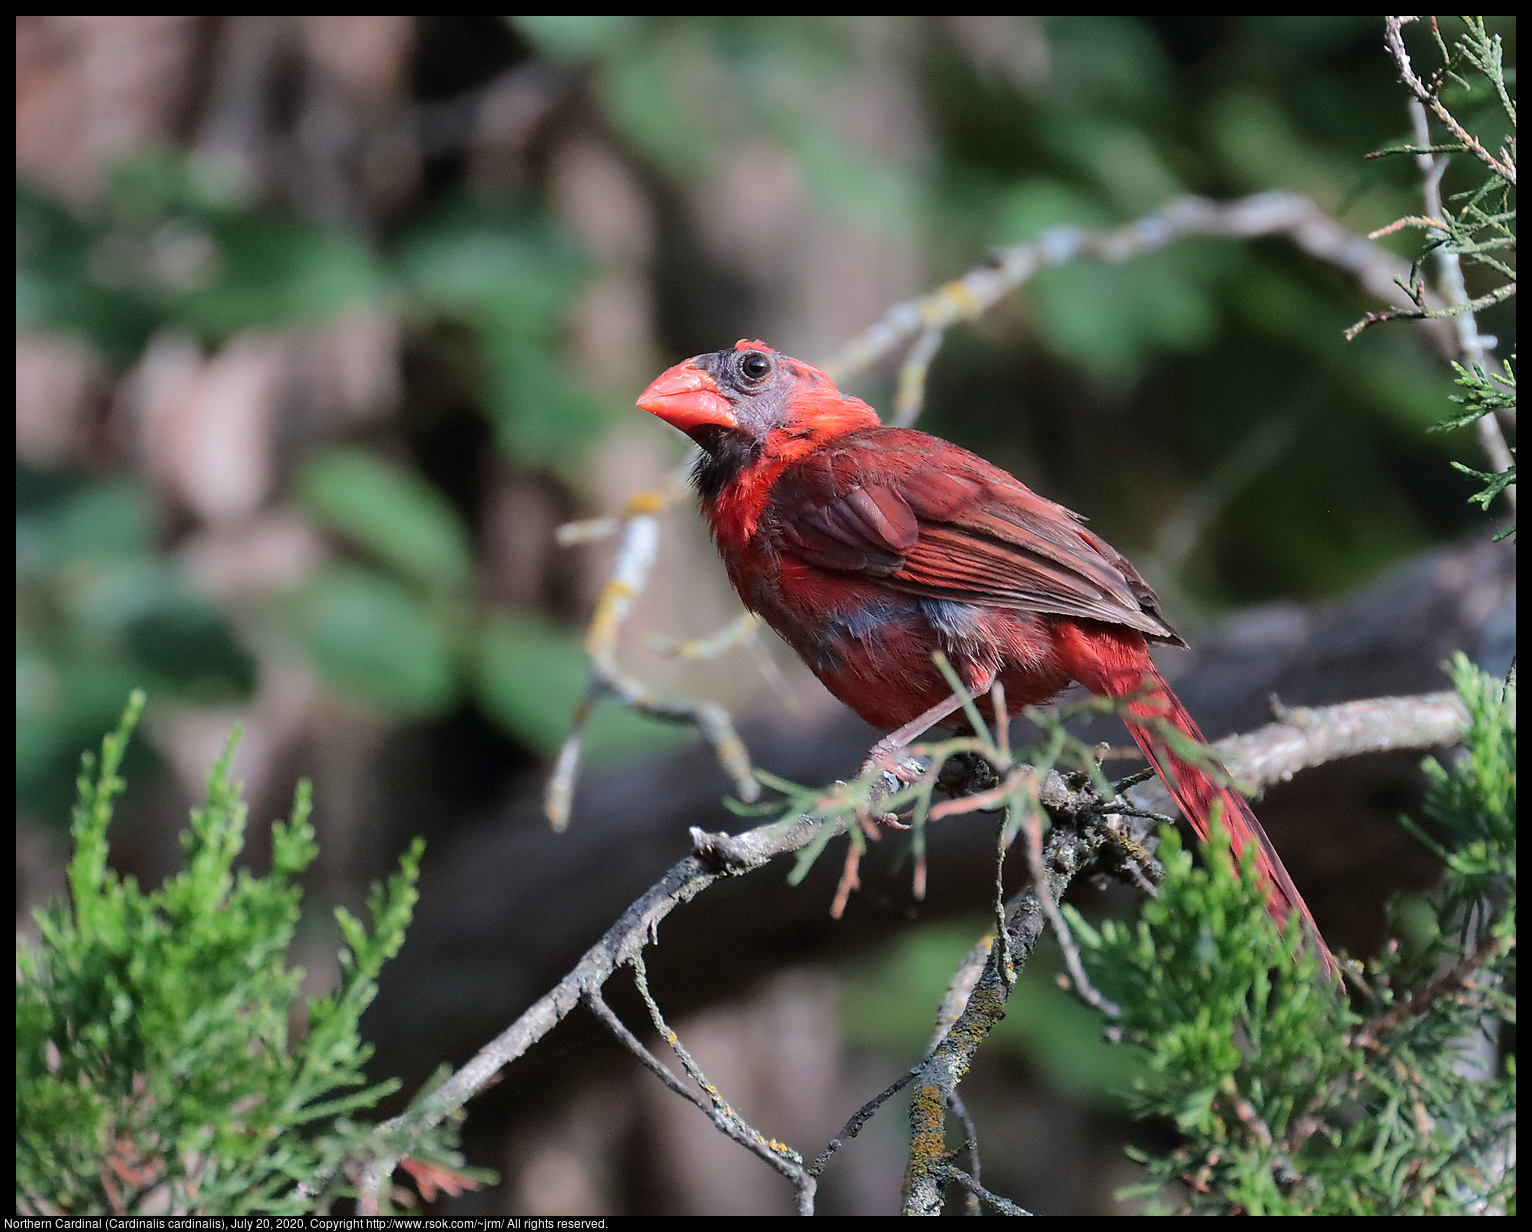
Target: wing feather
<point x="930" y="519"/>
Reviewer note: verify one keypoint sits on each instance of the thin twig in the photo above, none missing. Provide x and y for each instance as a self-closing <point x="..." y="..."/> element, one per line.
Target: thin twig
<point x="970" y="1144"/>
<point x="859" y="1119"/>
<point x="1031" y="826"/>
<point x="1454" y="290"/>
<point x="1315" y="736"/>
<point x="736" y="633"/>
<point x="723" y="1114"/>
<point x="1268" y="213"/>
<point x="597" y="1005"/>
<point x="1393" y="36"/>
<point x="1420" y="1000"/>
<point x="1001" y="947"/>
<point x="1002" y="722"/>
<point x="1004" y="1205"/>
<point x="911" y="393"/>
<point x="630" y="574"/>
<point x="1245" y="1111"/>
<point x="1456" y="311"/>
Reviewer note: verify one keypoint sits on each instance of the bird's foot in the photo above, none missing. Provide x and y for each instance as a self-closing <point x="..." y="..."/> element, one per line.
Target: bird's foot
<point x="900" y="772"/>
<point x="903" y="770"/>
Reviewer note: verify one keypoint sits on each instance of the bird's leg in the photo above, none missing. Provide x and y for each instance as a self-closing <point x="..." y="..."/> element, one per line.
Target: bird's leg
<point x="883" y="755"/>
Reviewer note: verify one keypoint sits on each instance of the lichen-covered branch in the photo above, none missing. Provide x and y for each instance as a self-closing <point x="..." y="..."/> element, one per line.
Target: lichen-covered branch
<point x="1263" y="214"/>
<point x="1068" y="852"/>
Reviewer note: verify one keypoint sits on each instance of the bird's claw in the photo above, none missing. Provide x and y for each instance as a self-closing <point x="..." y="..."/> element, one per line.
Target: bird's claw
<point x="903" y="771"/>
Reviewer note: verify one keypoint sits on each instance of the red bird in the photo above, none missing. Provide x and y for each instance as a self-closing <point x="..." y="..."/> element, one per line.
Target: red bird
<point x="869" y="548"/>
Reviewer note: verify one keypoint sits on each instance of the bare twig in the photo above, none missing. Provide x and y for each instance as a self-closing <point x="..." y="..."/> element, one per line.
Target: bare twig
<point x="971" y="1145"/>
<point x="1269" y="213"/>
<point x="1032" y="827"/>
<point x="859" y="1119"/>
<point x="912" y="377"/>
<point x="629" y="575"/>
<point x="1313" y="737"/>
<point x="971" y="1183"/>
<point x="1001" y="956"/>
<point x="1455" y="311"/>
<point x="1245" y="1111"/>
<point x="780" y="1156"/>
<point x="597" y="1005"/>
<point x="1393" y="36"/>
<point x="1420" y="1000"/>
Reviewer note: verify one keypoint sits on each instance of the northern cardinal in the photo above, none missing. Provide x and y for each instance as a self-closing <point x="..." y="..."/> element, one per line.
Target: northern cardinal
<point x="869" y="548"/>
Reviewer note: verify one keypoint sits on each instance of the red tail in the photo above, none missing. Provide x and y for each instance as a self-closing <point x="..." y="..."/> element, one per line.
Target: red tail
<point x="1115" y="667"/>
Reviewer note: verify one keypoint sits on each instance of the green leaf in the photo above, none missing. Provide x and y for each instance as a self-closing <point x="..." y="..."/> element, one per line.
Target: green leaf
<point x="376" y="643"/>
<point x="568" y="36"/>
<point x="539" y="416"/>
<point x="1109" y="319"/>
<point x="512" y="270"/>
<point x="530" y="676"/>
<point x="509" y="276"/>
<point x="162" y="250"/>
<point x="656" y="95"/>
<point x="277" y="271"/>
<point x="1110" y="64"/>
<point x="394" y="514"/>
<point x="61" y="522"/>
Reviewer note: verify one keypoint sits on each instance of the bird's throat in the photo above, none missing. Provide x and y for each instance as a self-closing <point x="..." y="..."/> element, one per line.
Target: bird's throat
<point x="725" y="457"/>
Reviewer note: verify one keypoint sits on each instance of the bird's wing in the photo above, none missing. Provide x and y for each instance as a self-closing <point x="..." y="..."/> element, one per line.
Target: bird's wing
<point x="930" y="519"/>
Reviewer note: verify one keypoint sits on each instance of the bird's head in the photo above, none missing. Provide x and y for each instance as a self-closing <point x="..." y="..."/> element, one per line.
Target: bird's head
<point x="751" y="401"/>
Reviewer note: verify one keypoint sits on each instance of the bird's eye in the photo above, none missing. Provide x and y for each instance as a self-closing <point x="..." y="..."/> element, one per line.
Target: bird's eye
<point x="755" y="367"/>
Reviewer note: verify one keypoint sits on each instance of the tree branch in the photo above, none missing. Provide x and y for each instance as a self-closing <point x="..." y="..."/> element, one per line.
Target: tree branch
<point x="1302" y="738"/>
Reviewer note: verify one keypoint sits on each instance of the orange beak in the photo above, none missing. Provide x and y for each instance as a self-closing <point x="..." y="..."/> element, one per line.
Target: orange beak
<point x="687" y="398"/>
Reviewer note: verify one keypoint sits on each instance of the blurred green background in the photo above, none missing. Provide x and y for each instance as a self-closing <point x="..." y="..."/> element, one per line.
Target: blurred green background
<point x="324" y="324"/>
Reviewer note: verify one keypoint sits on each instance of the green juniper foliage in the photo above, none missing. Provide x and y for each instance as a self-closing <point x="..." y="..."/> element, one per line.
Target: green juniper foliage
<point x="154" y="1068"/>
<point x="1477" y="225"/>
<point x="1484" y="398"/>
<point x="1293" y="1101"/>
